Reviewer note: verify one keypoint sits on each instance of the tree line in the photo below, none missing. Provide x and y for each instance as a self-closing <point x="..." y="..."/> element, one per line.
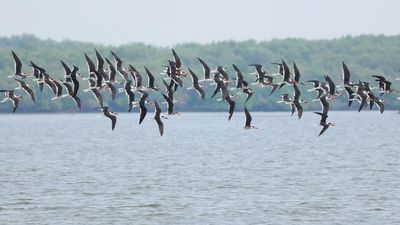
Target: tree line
<point x="365" y="55"/>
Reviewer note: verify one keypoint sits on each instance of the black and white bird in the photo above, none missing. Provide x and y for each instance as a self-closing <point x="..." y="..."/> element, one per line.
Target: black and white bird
<point x="18" y="67"/>
<point x="142" y="105"/>
<point x="323" y="122"/>
<point x="10" y="96"/>
<point x="26" y="88"/>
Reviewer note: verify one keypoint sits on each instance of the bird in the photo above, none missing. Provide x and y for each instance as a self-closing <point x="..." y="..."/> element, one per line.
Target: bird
<point x="331" y="87"/>
<point x="221" y="86"/>
<point x="285" y="99"/>
<point x="259" y="73"/>
<point x="142" y="105"/>
<point x="196" y="85"/>
<point x="10" y="96"/>
<point x="111" y="115"/>
<point x="178" y="64"/>
<point x="323" y="123"/>
<point x="45" y="78"/>
<point x="151" y="81"/>
<point x="248" y="120"/>
<point x="18" y="67"/>
<point x="157" y="118"/>
<point x="26" y="88"/>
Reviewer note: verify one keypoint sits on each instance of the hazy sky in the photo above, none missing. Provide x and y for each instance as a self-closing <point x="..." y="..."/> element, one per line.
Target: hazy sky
<point x="168" y="22"/>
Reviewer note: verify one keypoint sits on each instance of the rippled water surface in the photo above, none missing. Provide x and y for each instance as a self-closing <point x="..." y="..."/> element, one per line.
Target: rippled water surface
<point x="71" y="169"/>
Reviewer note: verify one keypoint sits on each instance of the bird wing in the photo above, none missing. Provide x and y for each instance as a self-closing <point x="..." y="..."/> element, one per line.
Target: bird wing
<point x="100" y="60"/>
<point x="286" y="71"/>
<point x="66" y="68"/>
<point x="18" y="64"/>
<point x="157" y="117"/>
<point x="112" y="72"/>
<point x="346" y="73"/>
<point x="231" y="106"/>
<point x="324" y="104"/>
<point x="98" y="96"/>
<point x="150" y="76"/>
<point x="29" y="91"/>
<point x="299" y="108"/>
<point x="178" y="63"/>
<point x="296" y="73"/>
<point x="90" y="64"/>
<point x="324" y="128"/>
<point x="52" y="86"/>
<point x="77" y="101"/>
<point x="297" y="92"/>
<point x="113" y="90"/>
<point x="206" y="69"/>
<point x="113" y="119"/>
<point x="143" y="112"/>
<point x="170" y="104"/>
<point x="15" y="102"/>
<point x="195" y="79"/>
<point x="249" y="93"/>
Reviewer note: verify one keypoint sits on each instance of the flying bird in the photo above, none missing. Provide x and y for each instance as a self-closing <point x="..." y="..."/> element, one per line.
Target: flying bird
<point x="18" y="67"/>
<point x="10" y="96"/>
<point x="26" y="88"/>
<point x="323" y="123"/>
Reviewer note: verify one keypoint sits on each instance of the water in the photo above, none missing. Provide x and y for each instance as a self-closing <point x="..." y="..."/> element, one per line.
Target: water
<point x="71" y="169"/>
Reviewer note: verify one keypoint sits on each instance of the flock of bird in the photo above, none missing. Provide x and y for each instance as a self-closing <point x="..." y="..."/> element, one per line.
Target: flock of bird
<point x="103" y="77"/>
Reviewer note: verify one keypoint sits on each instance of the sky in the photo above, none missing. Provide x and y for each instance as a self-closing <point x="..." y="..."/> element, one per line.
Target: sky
<point x="171" y="22"/>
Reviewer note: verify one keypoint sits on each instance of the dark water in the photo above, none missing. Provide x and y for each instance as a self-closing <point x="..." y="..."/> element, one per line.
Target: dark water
<point x="71" y="169"/>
